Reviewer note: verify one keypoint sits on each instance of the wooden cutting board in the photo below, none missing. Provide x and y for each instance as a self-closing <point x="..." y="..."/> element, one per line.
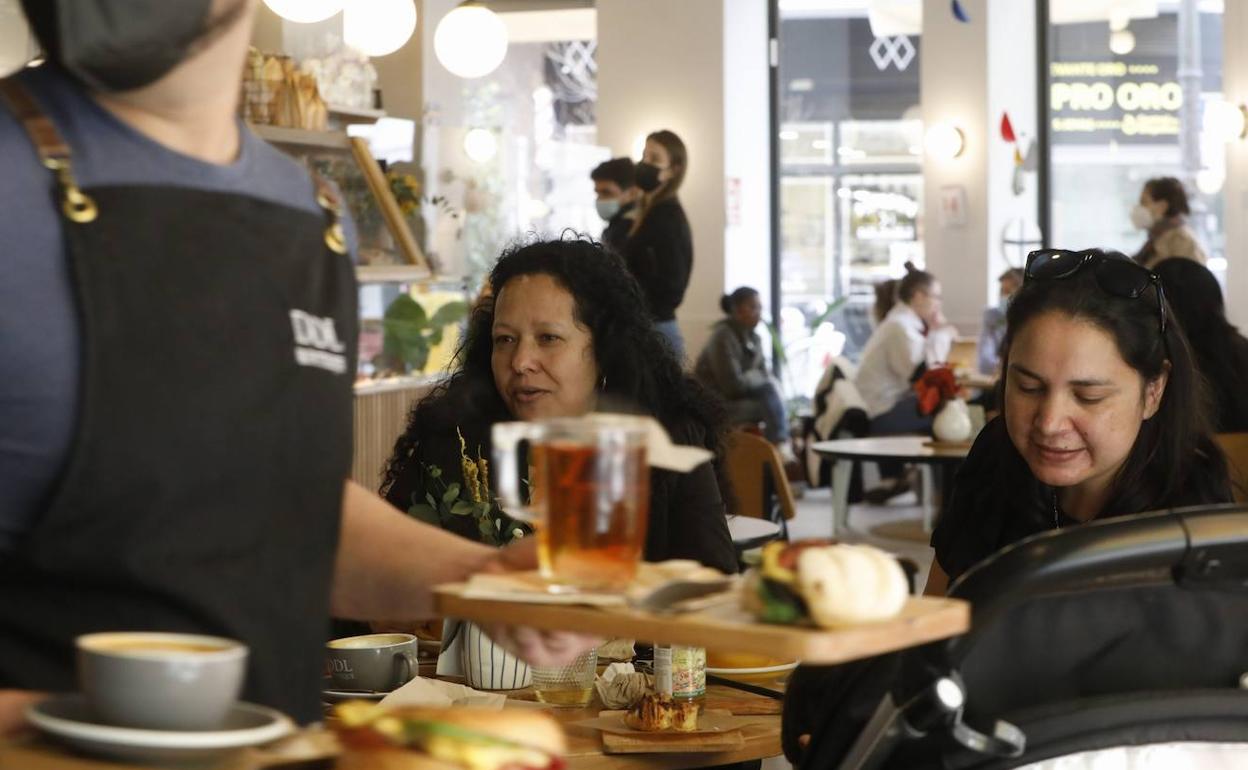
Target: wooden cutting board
<point x="725" y="627"/>
<point x="672" y="743"/>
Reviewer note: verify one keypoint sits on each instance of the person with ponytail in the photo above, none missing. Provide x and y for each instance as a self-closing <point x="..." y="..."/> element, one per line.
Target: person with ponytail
<point x="913" y="335"/>
<point x="659" y="249"/>
<point x="732" y="365"/>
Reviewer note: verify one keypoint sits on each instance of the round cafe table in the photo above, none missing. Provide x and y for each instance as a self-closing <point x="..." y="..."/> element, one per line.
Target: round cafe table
<point x="939" y="464"/>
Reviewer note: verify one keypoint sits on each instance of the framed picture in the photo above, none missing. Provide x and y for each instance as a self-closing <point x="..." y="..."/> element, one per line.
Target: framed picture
<point x="383" y="231"/>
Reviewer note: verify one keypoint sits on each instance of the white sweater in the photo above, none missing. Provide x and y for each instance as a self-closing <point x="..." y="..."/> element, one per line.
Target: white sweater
<point x="895" y="350"/>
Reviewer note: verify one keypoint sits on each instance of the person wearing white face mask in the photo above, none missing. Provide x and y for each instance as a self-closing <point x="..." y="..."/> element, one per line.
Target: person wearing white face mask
<point x="1162" y="212"/>
<point x="616" y="189"/>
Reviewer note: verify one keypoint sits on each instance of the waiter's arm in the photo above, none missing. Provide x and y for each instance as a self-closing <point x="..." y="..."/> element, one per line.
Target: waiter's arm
<point x="387" y="562"/>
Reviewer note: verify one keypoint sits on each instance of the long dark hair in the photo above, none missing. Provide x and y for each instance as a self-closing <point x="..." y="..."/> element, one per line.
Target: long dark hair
<point x="1221" y="352"/>
<point x="635" y="361"/>
<point x="1175" y="459"/>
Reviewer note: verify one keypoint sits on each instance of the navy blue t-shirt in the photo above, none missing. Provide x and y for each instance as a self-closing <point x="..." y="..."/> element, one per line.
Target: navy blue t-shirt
<point x="39" y="335"/>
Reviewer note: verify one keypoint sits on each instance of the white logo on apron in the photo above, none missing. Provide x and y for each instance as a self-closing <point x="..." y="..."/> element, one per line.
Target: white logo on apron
<point x="317" y="343"/>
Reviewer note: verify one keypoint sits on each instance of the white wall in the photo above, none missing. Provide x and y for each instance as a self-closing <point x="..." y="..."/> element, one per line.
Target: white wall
<point x="970" y="74"/>
<point x="747" y="163"/>
<point x="661" y="65"/>
<point x="1235" y="89"/>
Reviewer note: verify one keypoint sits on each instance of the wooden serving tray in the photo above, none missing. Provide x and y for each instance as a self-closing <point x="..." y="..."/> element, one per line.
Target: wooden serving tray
<point x="724" y="627"/>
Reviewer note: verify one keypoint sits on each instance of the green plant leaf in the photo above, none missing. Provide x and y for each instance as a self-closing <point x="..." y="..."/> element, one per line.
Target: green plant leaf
<point x="451" y="494"/>
<point x="432" y="502"/>
<point x="451" y="312"/>
<point x="435" y="472"/>
<point x="462" y="508"/>
<point x="425" y="513"/>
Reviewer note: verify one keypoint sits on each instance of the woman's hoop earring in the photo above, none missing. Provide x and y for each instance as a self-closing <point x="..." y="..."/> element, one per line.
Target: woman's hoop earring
<point x="603" y="385"/>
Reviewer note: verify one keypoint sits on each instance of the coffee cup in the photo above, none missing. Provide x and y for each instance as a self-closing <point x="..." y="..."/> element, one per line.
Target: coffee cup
<point x="373" y="662"/>
<point x="161" y="681"/>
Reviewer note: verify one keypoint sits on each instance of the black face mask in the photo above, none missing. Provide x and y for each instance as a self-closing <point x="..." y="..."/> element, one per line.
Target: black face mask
<point x="647" y="176"/>
<point x="119" y="45"/>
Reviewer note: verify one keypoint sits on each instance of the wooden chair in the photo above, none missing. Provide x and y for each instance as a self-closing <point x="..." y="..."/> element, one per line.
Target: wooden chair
<point x="749" y="460"/>
<point x="1235" y="446"/>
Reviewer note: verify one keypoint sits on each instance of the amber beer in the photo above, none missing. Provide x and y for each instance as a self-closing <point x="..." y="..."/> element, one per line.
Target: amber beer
<point x="597" y="503"/>
<point x="588" y="495"/>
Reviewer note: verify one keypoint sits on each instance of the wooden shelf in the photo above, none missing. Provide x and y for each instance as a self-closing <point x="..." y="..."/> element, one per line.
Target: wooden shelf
<point x="355" y="114"/>
<point x="332" y="140"/>
<point x="725" y="627"/>
<point x="391" y="273"/>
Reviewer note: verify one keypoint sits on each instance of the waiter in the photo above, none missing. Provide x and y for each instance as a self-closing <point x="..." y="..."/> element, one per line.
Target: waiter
<point x="177" y="348"/>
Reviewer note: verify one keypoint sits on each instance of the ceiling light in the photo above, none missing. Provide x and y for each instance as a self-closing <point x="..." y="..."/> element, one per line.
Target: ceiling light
<point x="378" y="27"/>
<point x="470" y="41"/>
<point x="304" y="11"/>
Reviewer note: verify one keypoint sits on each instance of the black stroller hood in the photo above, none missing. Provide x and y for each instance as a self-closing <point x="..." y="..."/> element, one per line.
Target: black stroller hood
<point x="1125" y="631"/>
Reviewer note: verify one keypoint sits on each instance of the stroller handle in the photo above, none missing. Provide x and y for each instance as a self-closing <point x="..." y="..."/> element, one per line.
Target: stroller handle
<point x="1202" y="543"/>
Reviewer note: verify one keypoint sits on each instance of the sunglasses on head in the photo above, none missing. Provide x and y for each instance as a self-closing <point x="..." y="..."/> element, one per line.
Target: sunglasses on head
<point x="1114" y="273"/>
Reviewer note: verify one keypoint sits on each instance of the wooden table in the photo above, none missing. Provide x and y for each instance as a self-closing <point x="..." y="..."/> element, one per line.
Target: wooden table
<point x="910" y="449"/>
<point x="585" y="751"/>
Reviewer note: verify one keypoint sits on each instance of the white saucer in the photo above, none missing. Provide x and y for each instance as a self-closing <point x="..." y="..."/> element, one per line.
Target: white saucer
<point x="70" y="720"/>
<point x="334" y="696"/>
<point x="759" y="674"/>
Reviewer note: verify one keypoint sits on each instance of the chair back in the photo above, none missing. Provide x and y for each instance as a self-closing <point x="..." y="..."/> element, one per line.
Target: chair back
<point x="748" y="458"/>
<point x="1235" y="447"/>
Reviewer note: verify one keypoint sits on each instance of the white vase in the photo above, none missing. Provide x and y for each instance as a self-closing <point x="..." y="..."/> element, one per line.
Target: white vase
<point x="953" y="422"/>
<point x="483" y="664"/>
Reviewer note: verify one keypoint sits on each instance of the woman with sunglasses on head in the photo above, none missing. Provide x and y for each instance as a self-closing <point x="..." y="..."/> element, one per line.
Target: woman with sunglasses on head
<point x="1103" y="414"/>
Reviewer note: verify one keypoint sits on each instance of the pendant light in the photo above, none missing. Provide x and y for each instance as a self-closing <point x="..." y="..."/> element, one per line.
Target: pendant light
<point x="305" y="11"/>
<point x="471" y="40"/>
<point x="378" y="27"/>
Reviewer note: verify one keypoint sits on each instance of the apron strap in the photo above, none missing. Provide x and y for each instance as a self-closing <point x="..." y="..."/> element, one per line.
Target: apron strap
<point x="53" y="152"/>
<point x="327" y="199"/>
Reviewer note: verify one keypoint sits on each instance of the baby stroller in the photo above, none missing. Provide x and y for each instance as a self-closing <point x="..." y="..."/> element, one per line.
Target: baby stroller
<point x="1123" y="640"/>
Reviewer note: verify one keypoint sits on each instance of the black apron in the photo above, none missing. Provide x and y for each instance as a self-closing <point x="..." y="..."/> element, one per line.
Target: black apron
<point x="203" y="489"/>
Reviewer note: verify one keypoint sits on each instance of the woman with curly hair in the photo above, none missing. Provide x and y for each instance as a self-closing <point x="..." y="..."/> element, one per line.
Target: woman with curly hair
<point x="567" y="329"/>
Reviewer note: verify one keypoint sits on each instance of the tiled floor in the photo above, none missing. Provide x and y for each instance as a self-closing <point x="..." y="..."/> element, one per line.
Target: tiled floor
<point x="814" y="517"/>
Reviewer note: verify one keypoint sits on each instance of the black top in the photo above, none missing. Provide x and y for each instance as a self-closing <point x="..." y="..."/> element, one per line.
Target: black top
<point x="996" y="501"/>
<point x="203" y="491"/>
<point x="660" y="257"/>
<point x="687" y="511"/>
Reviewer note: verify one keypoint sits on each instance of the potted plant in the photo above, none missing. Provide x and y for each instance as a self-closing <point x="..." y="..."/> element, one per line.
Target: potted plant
<point x="409" y="333"/>
<point x="467" y="507"/>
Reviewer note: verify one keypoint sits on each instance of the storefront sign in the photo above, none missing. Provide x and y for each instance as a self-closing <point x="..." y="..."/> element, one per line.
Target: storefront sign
<point x="1133" y="101"/>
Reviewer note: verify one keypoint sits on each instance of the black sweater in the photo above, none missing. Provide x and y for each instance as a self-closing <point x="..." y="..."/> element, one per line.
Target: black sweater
<point x="660" y="257"/>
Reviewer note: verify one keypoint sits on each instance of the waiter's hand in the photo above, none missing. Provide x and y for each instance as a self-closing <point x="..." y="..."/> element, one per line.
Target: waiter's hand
<point x="13" y="705"/>
<point x="536" y="647"/>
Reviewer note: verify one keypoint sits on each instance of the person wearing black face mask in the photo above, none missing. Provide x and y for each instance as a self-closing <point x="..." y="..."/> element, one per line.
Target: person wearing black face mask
<point x="617" y="194"/>
<point x="659" y="250"/>
<point x="177" y="349"/>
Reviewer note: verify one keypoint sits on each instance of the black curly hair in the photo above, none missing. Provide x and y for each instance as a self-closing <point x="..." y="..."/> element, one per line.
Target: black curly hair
<point x="639" y="367"/>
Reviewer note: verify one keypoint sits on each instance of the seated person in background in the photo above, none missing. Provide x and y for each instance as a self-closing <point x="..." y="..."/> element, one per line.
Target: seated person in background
<point x="992" y="332"/>
<point x="733" y="366"/>
<point x="1103" y="414"/>
<point x="568" y="326"/>
<point x="1221" y="351"/>
<point x="913" y="336"/>
<point x="616" y="187"/>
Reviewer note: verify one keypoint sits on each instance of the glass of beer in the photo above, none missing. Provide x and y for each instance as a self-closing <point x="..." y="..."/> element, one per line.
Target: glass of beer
<point x="588" y="495"/>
